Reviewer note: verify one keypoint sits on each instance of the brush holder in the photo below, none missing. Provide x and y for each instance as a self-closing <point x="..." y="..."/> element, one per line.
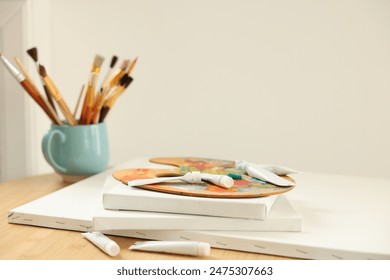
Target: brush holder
<point x="76" y="152"/>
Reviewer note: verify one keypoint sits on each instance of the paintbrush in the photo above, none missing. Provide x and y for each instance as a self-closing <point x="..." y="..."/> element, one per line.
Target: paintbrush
<point x="114" y="81"/>
<point x="78" y="101"/>
<point x="28" y="86"/>
<point x="106" y="80"/>
<point x="102" y="98"/>
<point x="131" y="66"/>
<point x="92" y="117"/>
<point x="118" y="75"/>
<point x="33" y="53"/>
<point x="99" y="101"/>
<point x="90" y="93"/>
<point x="96" y="108"/>
<point x="57" y="96"/>
<point x="124" y="82"/>
<point x="54" y="118"/>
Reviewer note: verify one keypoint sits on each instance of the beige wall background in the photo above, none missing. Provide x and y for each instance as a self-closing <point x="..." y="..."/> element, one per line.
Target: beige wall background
<point x="304" y="84"/>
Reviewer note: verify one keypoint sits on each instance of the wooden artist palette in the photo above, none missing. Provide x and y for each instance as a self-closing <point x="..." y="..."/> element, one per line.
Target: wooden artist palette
<point x="242" y="188"/>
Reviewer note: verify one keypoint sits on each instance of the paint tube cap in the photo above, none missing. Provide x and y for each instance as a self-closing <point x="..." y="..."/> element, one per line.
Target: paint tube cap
<point x="226" y="181"/>
<point x="235" y="176"/>
<point x="203" y="249"/>
<point x="112" y="249"/>
<point x="240" y="164"/>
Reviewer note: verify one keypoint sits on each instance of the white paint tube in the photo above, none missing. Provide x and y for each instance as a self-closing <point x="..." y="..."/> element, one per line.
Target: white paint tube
<point x="262" y="174"/>
<point x="190" y="177"/>
<point x="104" y="243"/>
<point x="191" y="248"/>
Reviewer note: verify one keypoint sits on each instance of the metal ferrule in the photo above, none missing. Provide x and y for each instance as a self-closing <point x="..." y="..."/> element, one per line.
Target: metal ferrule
<point x="13" y="70"/>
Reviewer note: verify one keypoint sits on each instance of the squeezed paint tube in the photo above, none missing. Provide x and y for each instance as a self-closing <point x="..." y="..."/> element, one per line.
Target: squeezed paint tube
<point x="190" y="177"/>
<point x="279" y="170"/>
<point x="102" y="242"/>
<point x="264" y="174"/>
<point x="219" y="180"/>
<point x="191" y="248"/>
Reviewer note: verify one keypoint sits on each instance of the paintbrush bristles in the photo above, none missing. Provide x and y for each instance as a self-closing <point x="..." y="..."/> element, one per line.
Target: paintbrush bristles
<point x="124" y="65"/>
<point x="97" y="63"/>
<point x="125" y="80"/>
<point x="33" y="53"/>
<point x="42" y="71"/>
<point x="131" y="66"/>
<point x="128" y="82"/>
<point x="113" y="61"/>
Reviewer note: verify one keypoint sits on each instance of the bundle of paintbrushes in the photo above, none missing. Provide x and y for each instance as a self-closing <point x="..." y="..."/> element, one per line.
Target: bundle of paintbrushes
<point x="97" y="102"/>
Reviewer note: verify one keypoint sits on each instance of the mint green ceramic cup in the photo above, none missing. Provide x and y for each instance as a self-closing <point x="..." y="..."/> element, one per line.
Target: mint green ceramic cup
<point x="76" y="152"/>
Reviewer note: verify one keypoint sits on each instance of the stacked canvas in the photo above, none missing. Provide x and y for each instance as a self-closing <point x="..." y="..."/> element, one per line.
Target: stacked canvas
<point x="129" y="208"/>
<point x="339" y="213"/>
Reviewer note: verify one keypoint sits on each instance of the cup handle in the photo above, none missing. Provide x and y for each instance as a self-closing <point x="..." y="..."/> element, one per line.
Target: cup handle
<point x="46" y="144"/>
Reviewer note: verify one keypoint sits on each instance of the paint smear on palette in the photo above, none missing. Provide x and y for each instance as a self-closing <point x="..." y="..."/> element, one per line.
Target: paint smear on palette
<point x="195" y="163"/>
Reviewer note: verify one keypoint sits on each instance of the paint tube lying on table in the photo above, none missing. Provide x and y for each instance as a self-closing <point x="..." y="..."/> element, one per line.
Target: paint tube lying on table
<point x="104" y="243"/>
<point x="191" y="248"/>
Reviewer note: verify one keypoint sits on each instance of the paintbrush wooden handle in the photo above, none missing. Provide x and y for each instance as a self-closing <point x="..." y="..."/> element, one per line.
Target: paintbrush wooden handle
<point x="96" y="108"/>
<point x="65" y="110"/>
<point x="48" y="96"/>
<point x="53" y="112"/>
<point x="85" y="108"/>
<point x="34" y="93"/>
<point x="89" y="99"/>
<point x="60" y="101"/>
<point x="78" y="101"/>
